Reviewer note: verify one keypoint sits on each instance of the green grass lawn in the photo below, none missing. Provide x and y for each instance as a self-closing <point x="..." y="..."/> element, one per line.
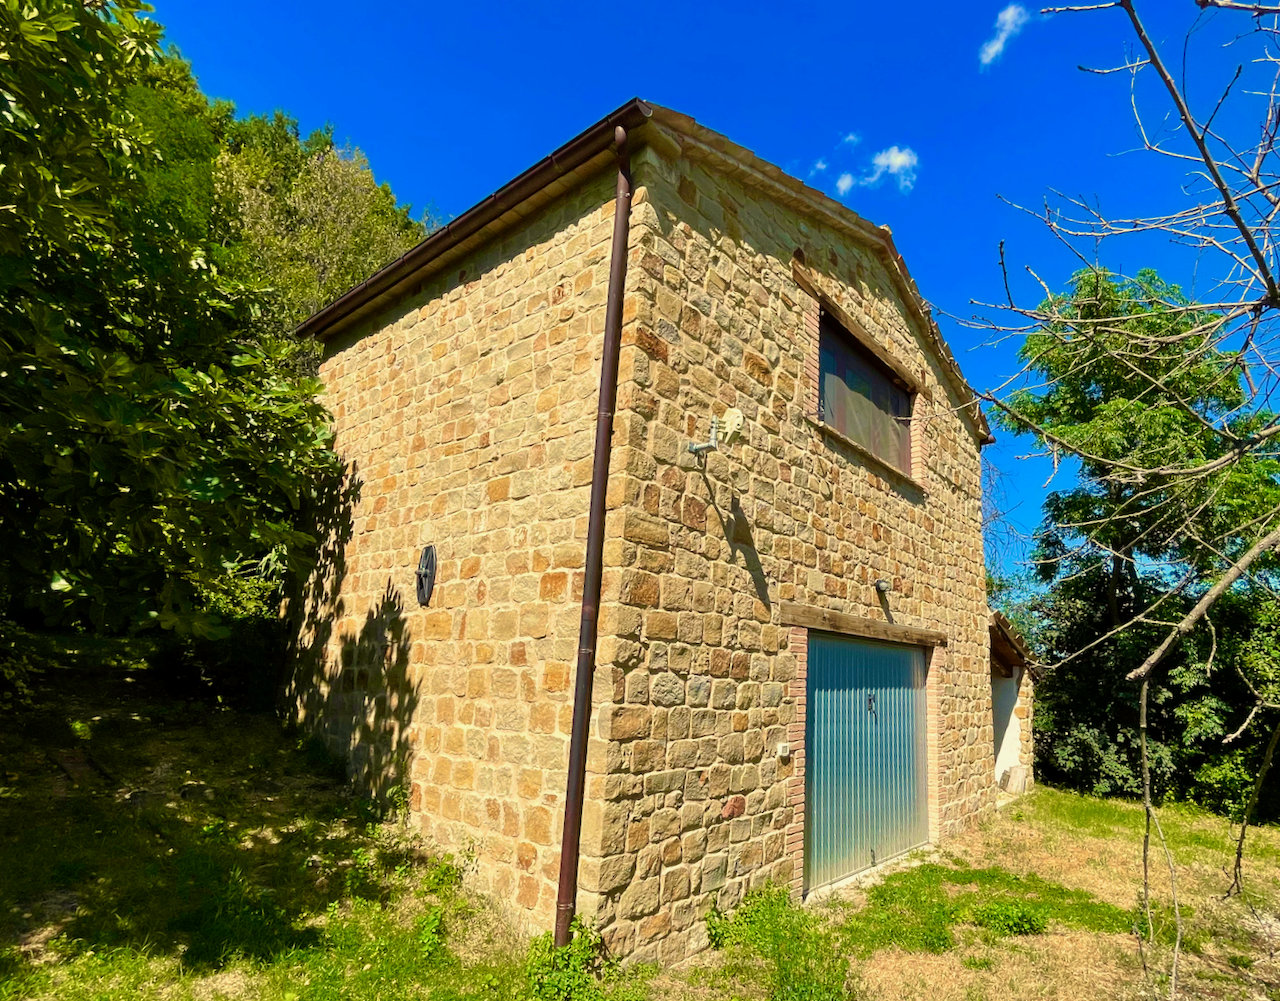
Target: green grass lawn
<point x="157" y="848"/>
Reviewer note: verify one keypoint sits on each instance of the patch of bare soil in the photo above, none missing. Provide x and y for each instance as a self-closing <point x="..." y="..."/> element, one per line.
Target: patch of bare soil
<point x="1106" y="867"/>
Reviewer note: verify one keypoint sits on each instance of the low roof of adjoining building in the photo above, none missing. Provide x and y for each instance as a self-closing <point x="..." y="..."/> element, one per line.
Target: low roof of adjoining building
<point x="587" y="154"/>
<point x="1009" y="651"/>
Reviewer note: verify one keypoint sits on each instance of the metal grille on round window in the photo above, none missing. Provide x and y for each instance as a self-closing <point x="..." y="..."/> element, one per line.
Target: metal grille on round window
<point x="426" y="575"/>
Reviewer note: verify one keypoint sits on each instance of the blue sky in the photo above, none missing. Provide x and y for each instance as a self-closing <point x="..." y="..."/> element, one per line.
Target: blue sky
<point x="929" y="112"/>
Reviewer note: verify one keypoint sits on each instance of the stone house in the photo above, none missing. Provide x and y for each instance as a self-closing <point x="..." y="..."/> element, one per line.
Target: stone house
<point x="793" y="673"/>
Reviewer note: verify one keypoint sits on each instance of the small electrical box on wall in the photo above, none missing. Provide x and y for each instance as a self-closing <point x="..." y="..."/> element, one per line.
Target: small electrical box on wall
<point x="426" y="574"/>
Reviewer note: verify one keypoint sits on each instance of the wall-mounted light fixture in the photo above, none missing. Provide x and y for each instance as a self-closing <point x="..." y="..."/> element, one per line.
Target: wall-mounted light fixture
<point x="724" y="430"/>
<point x="883" y="586"/>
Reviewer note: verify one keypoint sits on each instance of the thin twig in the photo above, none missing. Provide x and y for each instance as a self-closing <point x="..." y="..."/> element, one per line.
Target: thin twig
<point x="1257" y="9"/>
<point x="1177" y="909"/>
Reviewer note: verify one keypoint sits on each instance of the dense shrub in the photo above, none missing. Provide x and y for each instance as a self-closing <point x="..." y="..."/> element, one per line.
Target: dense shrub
<point x="803" y="959"/>
<point x="574" y="973"/>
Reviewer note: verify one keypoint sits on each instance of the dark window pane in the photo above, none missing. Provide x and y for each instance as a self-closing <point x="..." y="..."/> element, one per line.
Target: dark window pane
<point x="860" y="399"/>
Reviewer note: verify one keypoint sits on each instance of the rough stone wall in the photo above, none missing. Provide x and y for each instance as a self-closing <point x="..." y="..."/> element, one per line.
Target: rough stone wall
<point x="467" y="415"/>
<point x="1025" y="710"/>
<point x="697" y="805"/>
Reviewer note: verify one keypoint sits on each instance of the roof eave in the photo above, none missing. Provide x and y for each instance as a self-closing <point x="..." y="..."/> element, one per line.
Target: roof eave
<point x="1012" y="644"/>
<point x="574" y="154"/>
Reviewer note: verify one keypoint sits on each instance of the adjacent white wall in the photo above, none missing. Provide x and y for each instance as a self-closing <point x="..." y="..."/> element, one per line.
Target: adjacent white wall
<point x="1008" y="733"/>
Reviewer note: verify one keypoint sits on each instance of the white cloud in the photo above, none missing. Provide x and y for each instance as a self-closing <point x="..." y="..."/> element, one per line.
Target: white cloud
<point x="818" y="167"/>
<point x="844" y="183"/>
<point x="898" y="163"/>
<point x="852" y="139"/>
<point x="1009" y="22"/>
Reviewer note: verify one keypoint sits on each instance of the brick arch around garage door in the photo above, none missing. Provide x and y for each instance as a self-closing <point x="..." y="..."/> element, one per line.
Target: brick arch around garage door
<point x="864" y="743"/>
<point x="866" y="777"/>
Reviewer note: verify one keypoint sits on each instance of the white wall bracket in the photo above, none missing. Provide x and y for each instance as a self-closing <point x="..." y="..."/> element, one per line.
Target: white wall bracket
<point x="723" y="430"/>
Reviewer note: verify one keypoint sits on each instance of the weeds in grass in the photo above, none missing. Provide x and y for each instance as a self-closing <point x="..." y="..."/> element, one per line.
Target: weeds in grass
<point x="398" y="800"/>
<point x="430" y="929"/>
<point x="581" y="971"/>
<point x="239" y="919"/>
<point x="362" y="875"/>
<point x="801" y="957"/>
<point x="370" y="950"/>
<point x="13" y="974"/>
<point x="573" y="973"/>
<point x="440" y="875"/>
<point x="1010" y="917"/>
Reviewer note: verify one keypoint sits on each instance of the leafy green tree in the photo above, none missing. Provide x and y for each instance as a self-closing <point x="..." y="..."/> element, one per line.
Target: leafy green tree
<point x="317" y="235"/>
<point x="157" y="448"/>
<point x="1129" y="381"/>
<point x="296" y="220"/>
<point x="1127" y="378"/>
<point x="1086" y="720"/>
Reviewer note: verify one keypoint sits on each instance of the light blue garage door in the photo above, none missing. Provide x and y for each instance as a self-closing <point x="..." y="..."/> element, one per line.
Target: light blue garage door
<point x="866" y="784"/>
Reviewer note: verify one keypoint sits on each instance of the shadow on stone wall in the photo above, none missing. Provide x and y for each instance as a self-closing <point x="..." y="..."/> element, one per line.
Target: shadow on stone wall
<point x="736" y="528"/>
<point x="354" y="691"/>
<point x="317" y="603"/>
<point x="371" y="703"/>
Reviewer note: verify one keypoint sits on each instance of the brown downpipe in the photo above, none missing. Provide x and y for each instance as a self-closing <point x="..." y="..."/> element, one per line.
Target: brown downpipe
<point x="567" y="897"/>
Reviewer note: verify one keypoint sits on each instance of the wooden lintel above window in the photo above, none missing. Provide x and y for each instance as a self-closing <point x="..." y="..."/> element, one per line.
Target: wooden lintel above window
<point x="855" y="329"/>
<point x="794" y="614"/>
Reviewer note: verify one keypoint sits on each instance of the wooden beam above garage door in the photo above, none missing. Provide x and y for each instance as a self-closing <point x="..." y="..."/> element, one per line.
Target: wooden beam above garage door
<point x="793" y="614"/>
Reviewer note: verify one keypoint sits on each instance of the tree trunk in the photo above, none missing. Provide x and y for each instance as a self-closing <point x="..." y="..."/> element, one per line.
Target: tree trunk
<point x="1151" y="820"/>
<point x="1146" y="804"/>
<point x="1237" y="884"/>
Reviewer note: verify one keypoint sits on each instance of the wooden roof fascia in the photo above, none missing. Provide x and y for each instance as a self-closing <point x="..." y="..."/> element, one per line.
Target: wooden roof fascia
<point x="1006" y="636"/>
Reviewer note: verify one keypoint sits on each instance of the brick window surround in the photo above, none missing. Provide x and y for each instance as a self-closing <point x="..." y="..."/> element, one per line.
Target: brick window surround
<point x="814" y="305"/>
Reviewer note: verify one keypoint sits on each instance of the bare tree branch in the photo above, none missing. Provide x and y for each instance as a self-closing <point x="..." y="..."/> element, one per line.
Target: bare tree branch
<point x="1171" y="404"/>
<point x="1257" y="9"/>
<point x="1188" y="622"/>
<point x="1237" y="880"/>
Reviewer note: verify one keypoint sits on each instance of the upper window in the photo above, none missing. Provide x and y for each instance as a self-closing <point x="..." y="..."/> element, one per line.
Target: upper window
<point x="861" y="398"/>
